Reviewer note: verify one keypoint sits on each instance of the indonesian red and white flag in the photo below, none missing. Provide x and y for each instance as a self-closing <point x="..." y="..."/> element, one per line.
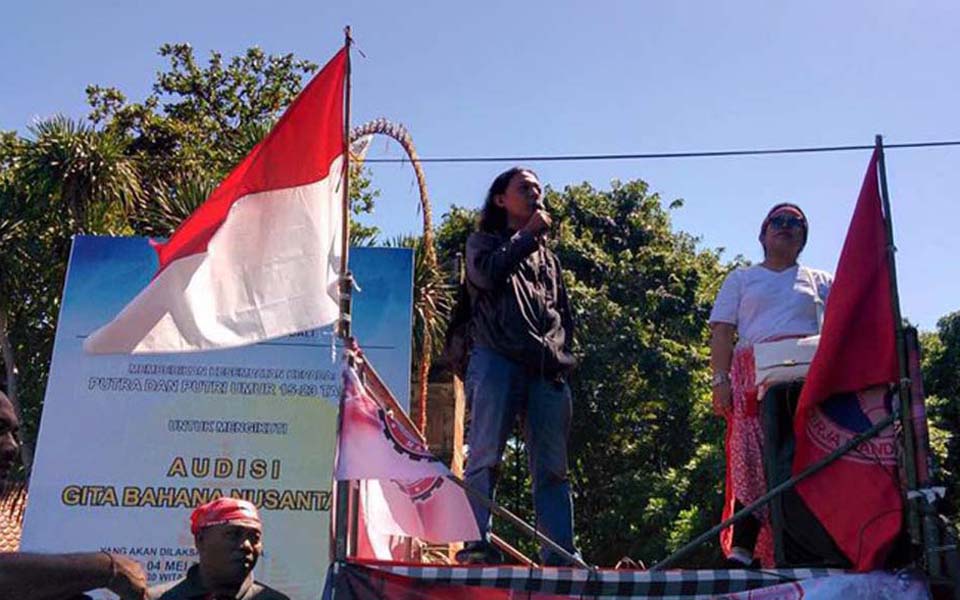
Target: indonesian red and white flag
<point x="406" y="490"/>
<point x="259" y="259"/>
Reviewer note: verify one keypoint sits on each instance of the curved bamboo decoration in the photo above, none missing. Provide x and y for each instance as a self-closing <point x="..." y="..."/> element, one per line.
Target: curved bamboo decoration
<point x="399" y="133"/>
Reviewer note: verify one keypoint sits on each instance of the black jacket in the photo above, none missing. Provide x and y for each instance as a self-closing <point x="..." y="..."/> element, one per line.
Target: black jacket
<point x="191" y="588"/>
<point x="520" y="305"/>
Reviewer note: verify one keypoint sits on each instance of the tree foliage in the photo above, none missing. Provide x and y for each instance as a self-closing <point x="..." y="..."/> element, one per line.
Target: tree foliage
<point x="433" y="297"/>
<point x="62" y="179"/>
<point x="941" y="381"/>
<point x="647" y="451"/>
<point x="201" y="116"/>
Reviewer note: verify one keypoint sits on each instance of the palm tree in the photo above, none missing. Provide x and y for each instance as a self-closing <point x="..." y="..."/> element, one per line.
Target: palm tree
<point x="65" y="178"/>
<point x="13" y="258"/>
<point x="10" y="252"/>
<point x="168" y="203"/>
<point x="81" y="171"/>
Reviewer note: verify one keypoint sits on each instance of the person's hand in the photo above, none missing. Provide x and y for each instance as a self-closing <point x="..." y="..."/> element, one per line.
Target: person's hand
<point x="722" y="399"/>
<point x="129" y="581"/>
<point x="539" y="222"/>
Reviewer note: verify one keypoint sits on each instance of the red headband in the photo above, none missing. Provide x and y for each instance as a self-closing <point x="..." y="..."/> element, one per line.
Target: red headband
<point x="785" y="209"/>
<point x="223" y="511"/>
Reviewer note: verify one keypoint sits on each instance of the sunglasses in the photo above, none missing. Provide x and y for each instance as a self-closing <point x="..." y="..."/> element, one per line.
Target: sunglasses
<point x="785" y="222"/>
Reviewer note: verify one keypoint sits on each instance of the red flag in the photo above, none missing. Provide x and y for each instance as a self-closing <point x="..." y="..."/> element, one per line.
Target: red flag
<point x="857" y="498"/>
<point x="259" y="258"/>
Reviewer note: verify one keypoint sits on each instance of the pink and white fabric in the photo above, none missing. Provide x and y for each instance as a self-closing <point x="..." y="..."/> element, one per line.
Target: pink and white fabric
<point x="259" y="259"/>
<point x="876" y="585"/>
<point x="406" y="490"/>
<point x="745" y="479"/>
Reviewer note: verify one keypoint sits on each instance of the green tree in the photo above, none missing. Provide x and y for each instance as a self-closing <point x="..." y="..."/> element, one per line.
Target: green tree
<point x="648" y="460"/>
<point x="79" y="173"/>
<point x="201" y="116"/>
<point x="941" y="381"/>
<point x="12" y="254"/>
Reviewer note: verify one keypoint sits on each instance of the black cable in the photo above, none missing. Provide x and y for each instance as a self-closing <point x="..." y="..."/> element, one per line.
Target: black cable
<point x="538" y="275"/>
<point x="599" y="157"/>
<point x="861" y="534"/>
<point x="655" y="155"/>
<point x="591" y="573"/>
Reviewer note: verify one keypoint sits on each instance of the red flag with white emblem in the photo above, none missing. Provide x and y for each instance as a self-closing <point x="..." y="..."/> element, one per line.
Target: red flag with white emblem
<point x="407" y="491"/>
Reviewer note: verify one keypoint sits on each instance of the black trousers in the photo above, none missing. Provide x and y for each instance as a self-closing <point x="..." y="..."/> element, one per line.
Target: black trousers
<point x="746" y="530"/>
<point x="798" y="537"/>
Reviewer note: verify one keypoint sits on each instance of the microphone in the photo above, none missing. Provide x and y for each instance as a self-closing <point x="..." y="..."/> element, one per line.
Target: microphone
<point x="539" y="205"/>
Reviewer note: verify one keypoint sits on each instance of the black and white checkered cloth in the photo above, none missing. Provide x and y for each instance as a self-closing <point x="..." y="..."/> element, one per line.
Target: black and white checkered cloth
<point x="600" y="583"/>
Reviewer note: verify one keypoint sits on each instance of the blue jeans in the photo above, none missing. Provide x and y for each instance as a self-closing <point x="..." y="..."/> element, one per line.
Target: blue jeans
<point x="498" y="389"/>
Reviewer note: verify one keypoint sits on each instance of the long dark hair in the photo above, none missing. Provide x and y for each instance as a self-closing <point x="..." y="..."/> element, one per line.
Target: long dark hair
<point x="493" y="218"/>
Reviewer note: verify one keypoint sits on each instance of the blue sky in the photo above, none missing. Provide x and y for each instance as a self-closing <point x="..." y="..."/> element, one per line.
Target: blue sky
<point x="511" y="78"/>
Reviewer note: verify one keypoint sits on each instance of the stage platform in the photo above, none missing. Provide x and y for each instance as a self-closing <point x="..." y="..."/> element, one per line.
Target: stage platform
<point x="372" y="579"/>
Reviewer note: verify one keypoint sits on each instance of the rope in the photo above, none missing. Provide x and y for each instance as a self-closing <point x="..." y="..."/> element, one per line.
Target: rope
<point x="601" y="157"/>
<point x="656" y="155"/>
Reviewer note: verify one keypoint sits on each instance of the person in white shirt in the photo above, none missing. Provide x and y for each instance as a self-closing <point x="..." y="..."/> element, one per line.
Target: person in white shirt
<point x="775" y="299"/>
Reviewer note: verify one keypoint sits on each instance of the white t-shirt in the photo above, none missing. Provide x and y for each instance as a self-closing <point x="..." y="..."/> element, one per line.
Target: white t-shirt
<point x="765" y="304"/>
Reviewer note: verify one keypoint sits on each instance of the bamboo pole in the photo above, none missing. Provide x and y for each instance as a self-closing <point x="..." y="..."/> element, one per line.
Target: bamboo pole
<point x="400" y="134"/>
<point x="342" y="529"/>
<point x="906" y="412"/>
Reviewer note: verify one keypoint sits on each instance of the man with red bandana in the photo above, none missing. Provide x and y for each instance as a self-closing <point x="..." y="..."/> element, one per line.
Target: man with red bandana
<point x="227" y="533"/>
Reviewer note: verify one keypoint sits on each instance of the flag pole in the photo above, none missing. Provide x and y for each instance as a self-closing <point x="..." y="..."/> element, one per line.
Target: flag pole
<point x="904" y="388"/>
<point x="342" y="518"/>
<point x="346" y="277"/>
